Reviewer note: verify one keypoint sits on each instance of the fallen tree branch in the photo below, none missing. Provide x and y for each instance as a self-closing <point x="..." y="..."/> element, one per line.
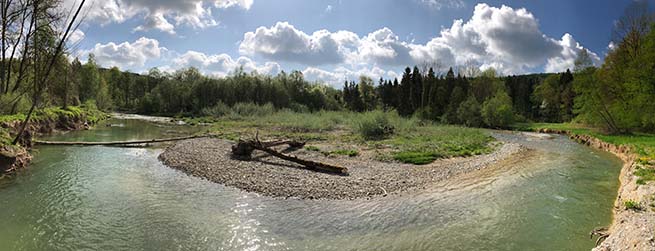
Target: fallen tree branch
<point x="114" y="143"/>
<point x="244" y="149"/>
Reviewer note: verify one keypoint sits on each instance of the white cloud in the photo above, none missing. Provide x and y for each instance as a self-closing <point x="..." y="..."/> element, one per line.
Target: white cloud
<point x="157" y="14"/>
<point x="127" y="55"/>
<point x="75" y="37"/>
<point x="566" y="58"/>
<point x="439" y="4"/>
<point x="222" y="64"/>
<point x="286" y="43"/>
<point x="156" y="21"/>
<point x="501" y="37"/>
<point x="337" y="77"/>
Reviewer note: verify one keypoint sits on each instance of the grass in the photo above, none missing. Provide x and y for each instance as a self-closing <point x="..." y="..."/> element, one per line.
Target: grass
<point x="349" y="153"/>
<point x="631" y="205"/>
<point x="645" y="175"/>
<point x="428" y="143"/>
<point x="410" y="141"/>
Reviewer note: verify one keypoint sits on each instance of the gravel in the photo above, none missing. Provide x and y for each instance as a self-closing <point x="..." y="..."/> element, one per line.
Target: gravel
<point x="211" y="159"/>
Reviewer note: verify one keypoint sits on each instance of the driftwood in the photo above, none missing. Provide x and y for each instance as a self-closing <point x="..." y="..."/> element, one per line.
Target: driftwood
<point x="243" y="150"/>
<point x="114" y="143"/>
<point x="601" y="232"/>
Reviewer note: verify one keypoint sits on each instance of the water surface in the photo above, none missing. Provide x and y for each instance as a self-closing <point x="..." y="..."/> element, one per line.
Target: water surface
<point x="102" y="198"/>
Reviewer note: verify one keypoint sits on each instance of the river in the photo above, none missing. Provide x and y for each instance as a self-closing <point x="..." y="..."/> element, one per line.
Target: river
<point x="104" y="198"/>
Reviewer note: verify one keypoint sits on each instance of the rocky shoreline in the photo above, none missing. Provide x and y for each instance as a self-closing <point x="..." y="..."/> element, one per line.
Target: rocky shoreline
<point x="211" y="159"/>
<point x="630" y="229"/>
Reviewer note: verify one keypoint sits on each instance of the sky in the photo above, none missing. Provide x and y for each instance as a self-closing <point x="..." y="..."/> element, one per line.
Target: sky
<point x="336" y="40"/>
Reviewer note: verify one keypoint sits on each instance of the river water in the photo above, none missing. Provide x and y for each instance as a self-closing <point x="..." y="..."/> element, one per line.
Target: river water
<point x="103" y="198"/>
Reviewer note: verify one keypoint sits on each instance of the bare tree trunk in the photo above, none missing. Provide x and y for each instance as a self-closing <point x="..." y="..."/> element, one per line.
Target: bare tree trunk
<point x="41" y="82"/>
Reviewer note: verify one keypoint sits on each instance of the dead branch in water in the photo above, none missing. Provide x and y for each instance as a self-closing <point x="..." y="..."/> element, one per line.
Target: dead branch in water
<point x="243" y="150"/>
<point x="114" y="143"/>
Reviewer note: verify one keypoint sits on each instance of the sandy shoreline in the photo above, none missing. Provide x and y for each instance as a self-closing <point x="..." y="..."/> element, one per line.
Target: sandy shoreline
<point x="210" y="158"/>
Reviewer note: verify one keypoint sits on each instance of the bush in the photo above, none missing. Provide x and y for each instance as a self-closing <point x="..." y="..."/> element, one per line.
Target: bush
<point x="497" y="111"/>
<point x="240" y="110"/>
<point x="469" y="112"/>
<point x="375" y="125"/>
<point x="218" y="110"/>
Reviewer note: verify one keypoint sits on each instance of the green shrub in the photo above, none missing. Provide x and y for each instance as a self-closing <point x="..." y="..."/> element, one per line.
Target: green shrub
<point x="375" y="125"/>
<point x="218" y="110"/>
<point x="632" y="205"/>
<point x="242" y="110"/>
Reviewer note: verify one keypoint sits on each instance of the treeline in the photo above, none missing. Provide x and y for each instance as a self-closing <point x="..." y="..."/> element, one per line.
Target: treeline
<point x="483" y="100"/>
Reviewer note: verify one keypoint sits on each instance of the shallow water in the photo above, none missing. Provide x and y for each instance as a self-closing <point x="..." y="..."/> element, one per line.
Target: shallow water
<point x="101" y="198"/>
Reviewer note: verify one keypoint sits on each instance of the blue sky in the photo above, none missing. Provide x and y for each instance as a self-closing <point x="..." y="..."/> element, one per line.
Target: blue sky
<point x="336" y="40"/>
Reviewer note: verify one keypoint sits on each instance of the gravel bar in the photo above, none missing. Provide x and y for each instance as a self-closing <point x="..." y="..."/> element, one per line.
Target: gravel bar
<point x="211" y="159"/>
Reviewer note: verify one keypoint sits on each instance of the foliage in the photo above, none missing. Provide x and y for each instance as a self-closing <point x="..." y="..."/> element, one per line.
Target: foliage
<point x="469" y="112"/>
<point x="375" y="125"/>
<point x="497" y="111"/>
<point x="618" y="95"/>
<point x="632" y="205"/>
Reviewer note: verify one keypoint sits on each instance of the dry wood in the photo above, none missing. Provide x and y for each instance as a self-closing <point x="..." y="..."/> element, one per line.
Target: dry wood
<point x="244" y="149"/>
<point x="114" y="143"/>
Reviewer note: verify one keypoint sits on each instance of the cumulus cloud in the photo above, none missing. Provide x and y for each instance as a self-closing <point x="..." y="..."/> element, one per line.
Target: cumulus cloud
<point x="158" y="14"/>
<point x="286" y="43"/>
<point x="127" y="55"/>
<point x="222" y="64"/>
<point x="501" y="37"/>
<point x="337" y="76"/>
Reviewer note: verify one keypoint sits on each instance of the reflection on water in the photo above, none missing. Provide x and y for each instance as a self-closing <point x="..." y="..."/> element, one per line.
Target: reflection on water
<point x="102" y="198"/>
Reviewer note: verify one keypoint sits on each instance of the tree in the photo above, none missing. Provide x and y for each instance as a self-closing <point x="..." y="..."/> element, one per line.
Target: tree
<point x="497" y="111"/>
<point x="469" y="112"/>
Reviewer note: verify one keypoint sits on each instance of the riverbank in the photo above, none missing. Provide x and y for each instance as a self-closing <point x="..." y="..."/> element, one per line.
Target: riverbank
<point x="44" y="121"/>
<point x="211" y="159"/>
<point x="633" y="223"/>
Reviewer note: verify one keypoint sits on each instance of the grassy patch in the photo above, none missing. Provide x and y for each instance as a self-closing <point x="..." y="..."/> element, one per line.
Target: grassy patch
<point x="645" y="175"/>
<point x="312" y="148"/>
<point x="416" y="158"/>
<point x="349" y="153"/>
<point x="631" y="205"/>
<point x="427" y="143"/>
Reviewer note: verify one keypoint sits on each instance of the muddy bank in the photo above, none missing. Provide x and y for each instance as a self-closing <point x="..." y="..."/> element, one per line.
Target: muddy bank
<point x="211" y="159"/>
<point x="630" y="229"/>
<point x="13" y="158"/>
